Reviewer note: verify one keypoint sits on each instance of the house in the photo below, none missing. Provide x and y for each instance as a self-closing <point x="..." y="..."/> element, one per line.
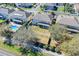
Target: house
<point x="18" y="14"/>
<point x="17" y="18"/>
<point x="41" y="20"/>
<point x="70" y="22"/>
<point x="24" y="5"/>
<point x="4" y="12"/>
<point x="52" y="6"/>
<point x="3" y="15"/>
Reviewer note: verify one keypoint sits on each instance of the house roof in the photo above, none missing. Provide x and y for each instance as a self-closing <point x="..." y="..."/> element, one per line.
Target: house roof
<point x="18" y="14"/>
<point x="68" y="20"/>
<point x="11" y="10"/>
<point x="4" y="11"/>
<point x="54" y="4"/>
<point x="23" y="4"/>
<point x="50" y="6"/>
<point x="42" y="18"/>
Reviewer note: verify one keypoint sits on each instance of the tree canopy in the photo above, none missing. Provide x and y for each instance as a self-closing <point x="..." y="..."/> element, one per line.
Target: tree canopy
<point x="68" y="8"/>
<point x="71" y="47"/>
<point x="57" y="32"/>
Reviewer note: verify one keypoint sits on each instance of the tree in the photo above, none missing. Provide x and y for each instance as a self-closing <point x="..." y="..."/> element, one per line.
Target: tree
<point x="68" y="8"/>
<point x="8" y="4"/>
<point x="24" y="37"/>
<point x="58" y="33"/>
<point x="30" y="52"/>
<point x="71" y="47"/>
<point x="8" y="36"/>
<point x="21" y="36"/>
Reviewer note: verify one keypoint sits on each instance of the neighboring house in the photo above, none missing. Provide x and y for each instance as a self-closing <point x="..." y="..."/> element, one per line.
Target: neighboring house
<point x="17" y="18"/>
<point x="70" y="22"/>
<point x="41" y="20"/>
<point x="18" y="14"/>
<point x="24" y="5"/>
<point x="52" y="6"/>
<point x="4" y="12"/>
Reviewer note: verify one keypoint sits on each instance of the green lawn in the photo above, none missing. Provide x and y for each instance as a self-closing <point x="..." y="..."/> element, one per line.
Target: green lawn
<point x="25" y="8"/>
<point x="61" y="8"/>
<point x="11" y="49"/>
<point x="1" y="20"/>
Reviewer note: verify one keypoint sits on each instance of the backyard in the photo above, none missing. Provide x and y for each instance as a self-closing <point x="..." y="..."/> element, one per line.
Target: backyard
<point x="42" y="34"/>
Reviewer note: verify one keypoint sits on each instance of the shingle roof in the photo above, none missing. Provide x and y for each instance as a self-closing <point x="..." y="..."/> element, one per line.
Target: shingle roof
<point x="67" y="20"/>
<point x="23" y="4"/>
<point x="42" y="18"/>
<point x="4" y="11"/>
<point x="18" y="14"/>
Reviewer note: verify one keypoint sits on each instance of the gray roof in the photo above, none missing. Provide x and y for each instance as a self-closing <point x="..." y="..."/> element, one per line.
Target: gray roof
<point x="67" y="20"/>
<point x="23" y="4"/>
<point x="11" y="10"/>
<point x="42" y="18"/>
<point x="18" y="14"/>
<point x="54" y="4"/>
<point x="4" y="11"/>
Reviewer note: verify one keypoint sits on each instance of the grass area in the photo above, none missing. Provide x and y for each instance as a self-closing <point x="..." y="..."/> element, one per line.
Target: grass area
<point x="1" y="20"/>
<point x="42" y="34"/>
<point x="40" y="31"/>
<point x="61" y="8"/>
<point x="11" y="49"/>
<point x="15" y="50"/>
<point x="26" y="8"/>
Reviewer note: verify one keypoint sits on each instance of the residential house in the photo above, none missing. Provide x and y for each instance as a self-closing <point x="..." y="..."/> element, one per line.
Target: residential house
<point x="70" y="22"/>
<point x="42" y="20"/>
<point x="17" y="19"/>
<point x="52" y="6"/>
<point x="4" y="13"/>
<point x="18" y="14"/>
<point x="24" y="5"/>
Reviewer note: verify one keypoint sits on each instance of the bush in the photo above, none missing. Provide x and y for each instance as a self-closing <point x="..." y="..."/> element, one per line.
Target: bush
<point x="29" y="52"/>
<point x="71" y="47"/>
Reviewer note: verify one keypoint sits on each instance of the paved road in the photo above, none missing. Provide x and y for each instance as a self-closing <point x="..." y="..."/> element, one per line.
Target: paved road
<point x="5" y="53"/>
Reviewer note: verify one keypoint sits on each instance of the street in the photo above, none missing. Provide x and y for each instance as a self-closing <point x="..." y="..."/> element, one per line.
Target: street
<point x="5" y="53"/>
